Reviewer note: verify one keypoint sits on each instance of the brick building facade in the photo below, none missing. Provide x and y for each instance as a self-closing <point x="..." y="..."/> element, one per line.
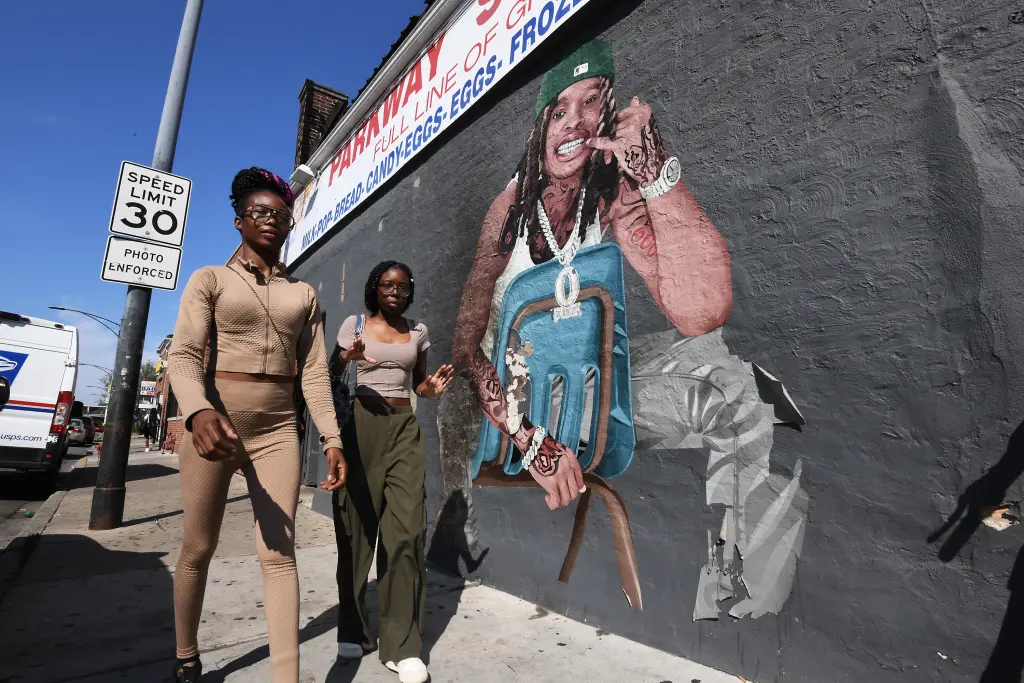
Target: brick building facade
<point x="320" y="108"/>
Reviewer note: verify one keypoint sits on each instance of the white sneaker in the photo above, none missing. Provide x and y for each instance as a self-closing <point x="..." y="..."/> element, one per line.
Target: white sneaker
<point x="411" y="670"/>
<point x="350" y="650"/>
<point x="147" y="450"/>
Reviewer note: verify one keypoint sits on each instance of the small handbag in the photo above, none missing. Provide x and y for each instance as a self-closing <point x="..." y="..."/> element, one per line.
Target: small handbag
<point x="341" y="390"/>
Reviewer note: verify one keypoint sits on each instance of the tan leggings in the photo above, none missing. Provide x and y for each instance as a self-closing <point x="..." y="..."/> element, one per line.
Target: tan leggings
<point x="263" y="416"/>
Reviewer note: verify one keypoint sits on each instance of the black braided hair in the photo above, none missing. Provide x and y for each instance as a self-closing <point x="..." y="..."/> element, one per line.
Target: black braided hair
<point x="255" y="179"/>
<point x="370" y="293"/>
<point x="599" y="179"/>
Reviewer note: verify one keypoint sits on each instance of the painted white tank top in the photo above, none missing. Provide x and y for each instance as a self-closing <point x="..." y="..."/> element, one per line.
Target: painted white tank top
<point x="517" y="263"/>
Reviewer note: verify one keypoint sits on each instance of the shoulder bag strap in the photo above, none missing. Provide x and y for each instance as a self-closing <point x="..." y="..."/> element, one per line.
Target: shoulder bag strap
<point x="358" y="332"/>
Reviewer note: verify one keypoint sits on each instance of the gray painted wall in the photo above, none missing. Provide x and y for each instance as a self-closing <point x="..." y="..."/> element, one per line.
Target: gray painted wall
<point x="863" y="162"/>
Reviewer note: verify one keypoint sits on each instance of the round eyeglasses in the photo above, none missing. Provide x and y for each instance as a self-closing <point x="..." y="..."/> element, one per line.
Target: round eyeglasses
<point x="401" y="290"/>
<point x="261" y="215"/>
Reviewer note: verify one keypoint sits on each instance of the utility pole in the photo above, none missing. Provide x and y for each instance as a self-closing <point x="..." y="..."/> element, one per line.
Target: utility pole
<point x="108" y="495"/>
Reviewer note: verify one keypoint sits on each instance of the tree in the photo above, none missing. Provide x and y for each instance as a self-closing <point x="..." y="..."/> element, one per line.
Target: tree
<point x="106" y="381"/>
<point x="147" y="373"/>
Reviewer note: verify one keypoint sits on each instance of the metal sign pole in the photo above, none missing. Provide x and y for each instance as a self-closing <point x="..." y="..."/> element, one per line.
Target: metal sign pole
<point x="108" y="496"/>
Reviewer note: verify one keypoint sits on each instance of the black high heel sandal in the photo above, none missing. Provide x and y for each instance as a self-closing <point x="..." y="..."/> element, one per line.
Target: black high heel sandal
<point x="188" y="670"/>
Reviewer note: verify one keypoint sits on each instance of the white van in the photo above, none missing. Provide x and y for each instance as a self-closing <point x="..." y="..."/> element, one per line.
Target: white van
<point x="38" y="371"/>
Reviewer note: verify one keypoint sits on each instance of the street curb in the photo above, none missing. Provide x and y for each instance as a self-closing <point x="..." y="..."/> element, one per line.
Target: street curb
<point x="15" y="556"/>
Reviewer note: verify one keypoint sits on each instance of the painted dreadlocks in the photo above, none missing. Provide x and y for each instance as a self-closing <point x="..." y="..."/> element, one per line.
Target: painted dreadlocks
<point x="600" y="180"/>
<point x="255" y="179"/>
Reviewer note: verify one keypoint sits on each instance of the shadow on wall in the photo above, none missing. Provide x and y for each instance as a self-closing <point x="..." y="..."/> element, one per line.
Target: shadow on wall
<point x="981" y="499"/>
<point x="1006" y="663"/>
<point x="982" y="503"/>
<point x="450" y="542"/>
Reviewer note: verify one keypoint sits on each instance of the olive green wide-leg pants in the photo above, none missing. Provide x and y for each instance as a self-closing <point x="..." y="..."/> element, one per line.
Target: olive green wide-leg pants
<point x="385" y="491"/>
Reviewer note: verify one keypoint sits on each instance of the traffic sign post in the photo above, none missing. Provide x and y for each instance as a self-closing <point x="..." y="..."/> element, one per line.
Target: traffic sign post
<point x="134" y="262"/>
<point x="150" y="204"/>
<point x="159" y="196"/>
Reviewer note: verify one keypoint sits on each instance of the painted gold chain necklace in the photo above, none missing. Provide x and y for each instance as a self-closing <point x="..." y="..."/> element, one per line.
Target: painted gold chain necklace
<point x="568" y="306"/>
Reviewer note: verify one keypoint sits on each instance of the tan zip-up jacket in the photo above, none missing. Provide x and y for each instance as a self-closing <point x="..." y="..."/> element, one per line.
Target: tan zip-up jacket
<point x="252" y="325"/>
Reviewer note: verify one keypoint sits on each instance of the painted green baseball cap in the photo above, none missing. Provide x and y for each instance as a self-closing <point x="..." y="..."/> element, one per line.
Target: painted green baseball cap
<point x="593" y="59"/>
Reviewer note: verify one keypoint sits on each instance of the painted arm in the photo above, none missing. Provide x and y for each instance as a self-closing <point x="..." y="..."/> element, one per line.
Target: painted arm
<point x="669" y="239"/>
<point x="561" y="478"/>
<point x="474" y="312"/>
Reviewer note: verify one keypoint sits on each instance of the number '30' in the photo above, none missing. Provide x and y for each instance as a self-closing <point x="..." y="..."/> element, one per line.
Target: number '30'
<point x="140" y="221"/>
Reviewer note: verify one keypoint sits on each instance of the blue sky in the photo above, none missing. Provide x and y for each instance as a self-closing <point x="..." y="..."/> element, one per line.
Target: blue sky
<point x="83" y="89"/>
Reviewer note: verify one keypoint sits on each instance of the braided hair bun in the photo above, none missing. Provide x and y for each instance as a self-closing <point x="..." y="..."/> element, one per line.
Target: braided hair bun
<point x="256" y="179"/>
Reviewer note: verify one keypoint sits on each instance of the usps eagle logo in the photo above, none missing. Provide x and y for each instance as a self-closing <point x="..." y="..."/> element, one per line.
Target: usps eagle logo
<point x="6" y="364"/>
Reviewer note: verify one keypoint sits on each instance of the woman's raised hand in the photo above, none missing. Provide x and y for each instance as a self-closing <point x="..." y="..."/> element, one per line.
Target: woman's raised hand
<point x="356" y="352"/>
<point x="436" y="384"/>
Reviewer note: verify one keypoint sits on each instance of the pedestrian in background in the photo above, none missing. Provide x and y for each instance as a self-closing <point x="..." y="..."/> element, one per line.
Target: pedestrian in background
<point x="149" y="427"/>
<point x="383" y="447"/>
<point x="263" y="328"/>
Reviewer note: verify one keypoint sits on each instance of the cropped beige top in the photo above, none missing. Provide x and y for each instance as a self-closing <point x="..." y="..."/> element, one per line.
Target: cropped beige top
<point x="254" y="325"/>
<point x="389" y="375"/>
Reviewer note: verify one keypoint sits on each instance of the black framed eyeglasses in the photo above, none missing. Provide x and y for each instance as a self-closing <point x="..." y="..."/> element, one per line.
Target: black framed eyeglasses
<point x="261" y="215"/>
<point x="401" y="290"/>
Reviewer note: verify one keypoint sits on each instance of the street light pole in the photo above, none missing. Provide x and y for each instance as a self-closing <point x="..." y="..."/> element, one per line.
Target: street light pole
<point x="100" y="367"/>
<point x="108" y="495"/>
<point x="98" y="318"/>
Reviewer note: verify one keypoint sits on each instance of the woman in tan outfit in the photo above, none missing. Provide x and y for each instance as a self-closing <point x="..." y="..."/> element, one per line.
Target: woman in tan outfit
<point x="263" y="329"/>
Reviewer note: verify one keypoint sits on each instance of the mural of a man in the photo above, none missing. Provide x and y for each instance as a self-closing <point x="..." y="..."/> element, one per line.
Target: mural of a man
<point x="571" y="156"/>
<point x="591" y="173"/>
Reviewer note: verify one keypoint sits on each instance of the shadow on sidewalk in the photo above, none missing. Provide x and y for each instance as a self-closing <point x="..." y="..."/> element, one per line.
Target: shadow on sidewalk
<point x="81" y="609"/>
<point x="443" y="597"/>
<point x="86" y="477"/>
<point x="174" y="513"/>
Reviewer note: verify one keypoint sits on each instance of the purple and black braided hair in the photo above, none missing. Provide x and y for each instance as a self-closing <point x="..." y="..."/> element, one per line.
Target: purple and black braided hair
<point x="255" y="179"/>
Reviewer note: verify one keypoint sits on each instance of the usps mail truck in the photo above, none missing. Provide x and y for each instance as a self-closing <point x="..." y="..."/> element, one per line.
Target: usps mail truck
<point x="38" y="370"/>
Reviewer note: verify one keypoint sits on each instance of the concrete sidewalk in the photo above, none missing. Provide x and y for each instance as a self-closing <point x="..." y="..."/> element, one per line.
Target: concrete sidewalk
<point x="96" y="606"/>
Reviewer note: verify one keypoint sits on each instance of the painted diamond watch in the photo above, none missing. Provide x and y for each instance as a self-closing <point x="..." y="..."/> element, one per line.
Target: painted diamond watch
<point x="670" y="174"/>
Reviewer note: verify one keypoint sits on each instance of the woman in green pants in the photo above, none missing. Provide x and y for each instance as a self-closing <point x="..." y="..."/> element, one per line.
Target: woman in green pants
<point x="383" y="447"/>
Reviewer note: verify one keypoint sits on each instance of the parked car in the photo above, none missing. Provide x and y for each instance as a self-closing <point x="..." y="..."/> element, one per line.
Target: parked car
<point x="76" y="432"/>
<point x="90" y="429"/>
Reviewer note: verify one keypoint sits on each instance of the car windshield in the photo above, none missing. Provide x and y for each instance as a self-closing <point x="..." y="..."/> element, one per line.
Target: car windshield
<point x="76" y="423"/>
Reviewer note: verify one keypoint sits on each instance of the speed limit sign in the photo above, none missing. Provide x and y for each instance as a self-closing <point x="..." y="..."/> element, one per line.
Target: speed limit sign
<point x="150" y="205"/>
